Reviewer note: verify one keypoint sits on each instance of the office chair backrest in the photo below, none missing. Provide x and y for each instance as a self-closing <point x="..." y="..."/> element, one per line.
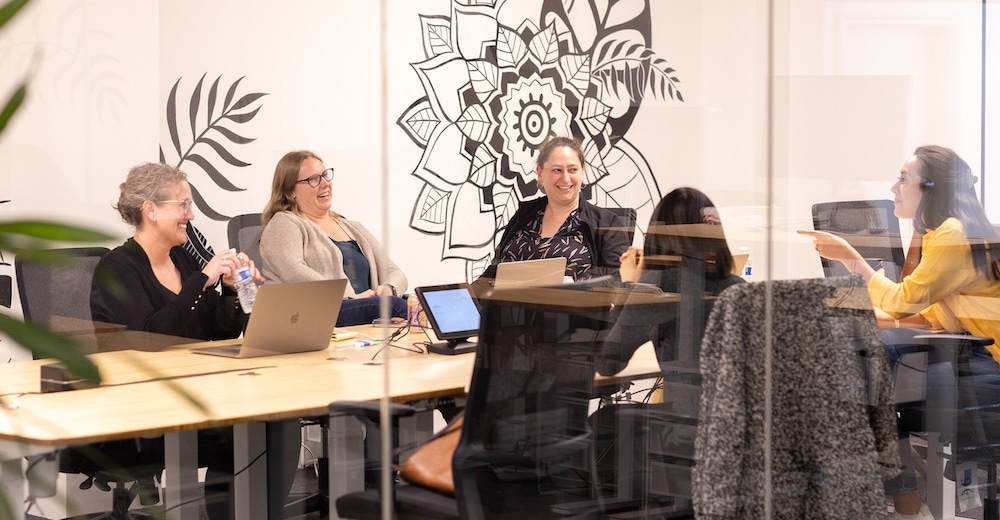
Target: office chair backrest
<point x="527" y="407"/>
<point x="628" y="216"/>
<point x="244" y="235"/>
<point x="868" y="225"/>
<point x="56" y="293"/>
<point x="58" y="289"/>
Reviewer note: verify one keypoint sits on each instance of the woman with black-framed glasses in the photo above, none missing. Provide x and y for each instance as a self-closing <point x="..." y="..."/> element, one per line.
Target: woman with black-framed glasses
<point x="304" y="239"/>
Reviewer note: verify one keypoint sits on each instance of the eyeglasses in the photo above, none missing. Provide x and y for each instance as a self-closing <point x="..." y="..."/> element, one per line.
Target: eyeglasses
<point x="313" y="181"/>
<point x="184" y="204"/>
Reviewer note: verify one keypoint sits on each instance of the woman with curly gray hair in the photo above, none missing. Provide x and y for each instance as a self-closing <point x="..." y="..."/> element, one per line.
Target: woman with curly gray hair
<point x="151" y="283"/>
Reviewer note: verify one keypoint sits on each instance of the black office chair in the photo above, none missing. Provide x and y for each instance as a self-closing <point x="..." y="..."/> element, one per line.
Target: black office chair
<point x="967" y="415"/>
<point x="870" y="226"/>
<point x="56" y="294"/>
<point x="873" y="229"/>
<point x="526" y="448"/>
<point x="244" y="235"/>
<point x="646" y="450"/>
<point x="628" y="217"/>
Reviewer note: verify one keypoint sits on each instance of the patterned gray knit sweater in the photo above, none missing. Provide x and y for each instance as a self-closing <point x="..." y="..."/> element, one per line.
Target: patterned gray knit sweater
<point x="833" y="429"/>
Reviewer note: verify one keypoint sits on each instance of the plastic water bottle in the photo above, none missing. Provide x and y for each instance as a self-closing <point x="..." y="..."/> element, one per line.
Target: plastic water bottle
<point x="246" y="288"/>
<point x="747" y="272"/>
<point x="414" y="312"/>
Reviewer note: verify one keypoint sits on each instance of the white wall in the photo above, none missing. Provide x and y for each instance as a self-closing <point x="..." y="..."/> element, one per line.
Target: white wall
<point x="91" y="109"/>
<point x="856" y="85"/>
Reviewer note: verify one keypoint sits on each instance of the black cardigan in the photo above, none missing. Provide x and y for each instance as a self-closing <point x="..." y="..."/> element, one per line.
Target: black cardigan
<point x="125" y="291"/>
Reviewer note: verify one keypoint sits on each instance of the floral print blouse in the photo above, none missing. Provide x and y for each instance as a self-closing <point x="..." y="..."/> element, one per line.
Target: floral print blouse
<point x="528" y="244"/>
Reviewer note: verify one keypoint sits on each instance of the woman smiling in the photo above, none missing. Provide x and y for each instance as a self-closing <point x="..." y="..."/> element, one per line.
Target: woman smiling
<point x="304" y="239"/>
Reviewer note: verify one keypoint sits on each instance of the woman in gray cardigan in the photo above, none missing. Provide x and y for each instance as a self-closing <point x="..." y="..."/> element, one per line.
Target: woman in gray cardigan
<point x="304" y="240"/>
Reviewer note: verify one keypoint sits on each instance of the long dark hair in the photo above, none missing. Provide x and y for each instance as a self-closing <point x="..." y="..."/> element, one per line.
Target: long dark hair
<point x="688" y="206"/>
<point x="948" y="191"/>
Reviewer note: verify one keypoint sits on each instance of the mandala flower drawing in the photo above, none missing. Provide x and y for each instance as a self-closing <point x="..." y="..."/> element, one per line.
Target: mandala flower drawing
<point x="500" y="77"/>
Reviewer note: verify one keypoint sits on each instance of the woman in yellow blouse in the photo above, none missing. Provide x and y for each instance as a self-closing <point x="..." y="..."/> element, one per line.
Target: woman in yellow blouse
<point x="955" y="286"/>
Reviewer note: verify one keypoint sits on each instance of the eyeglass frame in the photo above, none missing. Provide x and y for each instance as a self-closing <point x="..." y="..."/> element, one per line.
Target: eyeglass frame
<point x="186" y="204"/>
<point x="309" y="180"/>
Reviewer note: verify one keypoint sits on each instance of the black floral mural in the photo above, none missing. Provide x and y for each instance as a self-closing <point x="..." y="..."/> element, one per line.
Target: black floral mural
<point x="501" y="77"/>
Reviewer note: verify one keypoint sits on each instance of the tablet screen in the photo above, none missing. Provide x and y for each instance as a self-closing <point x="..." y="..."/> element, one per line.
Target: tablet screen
<point x="451" y="310"/>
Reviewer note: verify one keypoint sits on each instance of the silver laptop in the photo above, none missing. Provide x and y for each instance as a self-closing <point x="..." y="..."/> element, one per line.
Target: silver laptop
<point x="530" y="273"/>
<point x="288" y="318"/>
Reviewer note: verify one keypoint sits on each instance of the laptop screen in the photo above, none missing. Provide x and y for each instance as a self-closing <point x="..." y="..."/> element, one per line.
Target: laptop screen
<point x="451" y="310"/>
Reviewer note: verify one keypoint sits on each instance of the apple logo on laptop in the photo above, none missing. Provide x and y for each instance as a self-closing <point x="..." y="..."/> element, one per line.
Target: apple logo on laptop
<point x="295" y="318"/>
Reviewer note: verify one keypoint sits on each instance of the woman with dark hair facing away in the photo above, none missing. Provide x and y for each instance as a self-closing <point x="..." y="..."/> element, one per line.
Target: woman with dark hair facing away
<point x="645" y="267"/>
<point x="561" y="223"/>
<point x="168" y="292"/>
<point x="305" y="240"/>
<point x="955" y="286"/>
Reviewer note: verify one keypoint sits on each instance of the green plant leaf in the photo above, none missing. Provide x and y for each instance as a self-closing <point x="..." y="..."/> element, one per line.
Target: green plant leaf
<point x="11" y="106"/>
<point x="45" y="344"/>
<point x="10" y="9"/>
<point x="41" y="230"/>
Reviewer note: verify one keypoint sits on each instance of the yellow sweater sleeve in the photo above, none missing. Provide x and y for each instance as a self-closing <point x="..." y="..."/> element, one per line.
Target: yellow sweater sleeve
<point x="945" y="266"/>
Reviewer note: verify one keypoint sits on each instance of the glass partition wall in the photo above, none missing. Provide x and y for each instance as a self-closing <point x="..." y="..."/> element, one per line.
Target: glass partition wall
<point x="771" y="109"/>
<point x="745" y="121"/>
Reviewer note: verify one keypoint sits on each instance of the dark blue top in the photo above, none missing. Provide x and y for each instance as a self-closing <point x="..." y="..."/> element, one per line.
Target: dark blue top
<point x="355" y="265"/>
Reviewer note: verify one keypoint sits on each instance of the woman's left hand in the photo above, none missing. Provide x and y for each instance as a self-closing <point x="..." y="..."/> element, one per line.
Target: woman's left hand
<point x="241" y="259"/>
<point x="383" y="289"/>
<point x="632" y="264"/>
<point x="367" y="294"/>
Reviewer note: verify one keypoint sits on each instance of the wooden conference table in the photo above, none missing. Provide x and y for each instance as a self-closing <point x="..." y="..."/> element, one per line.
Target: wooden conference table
<point x="153" y="393"/>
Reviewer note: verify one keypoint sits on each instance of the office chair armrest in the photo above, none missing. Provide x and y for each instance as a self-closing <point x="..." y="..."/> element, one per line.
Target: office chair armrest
<point x="370" y="410"/>
<point x="945" y="339"/>
<point x="948" y="347"/>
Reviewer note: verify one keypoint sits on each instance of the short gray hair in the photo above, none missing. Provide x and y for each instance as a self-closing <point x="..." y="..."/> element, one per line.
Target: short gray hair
<point x="145" y="181"/>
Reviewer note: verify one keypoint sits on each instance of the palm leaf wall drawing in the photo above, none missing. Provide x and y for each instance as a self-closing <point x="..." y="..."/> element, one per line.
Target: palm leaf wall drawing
<point x="210" y="121"/>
